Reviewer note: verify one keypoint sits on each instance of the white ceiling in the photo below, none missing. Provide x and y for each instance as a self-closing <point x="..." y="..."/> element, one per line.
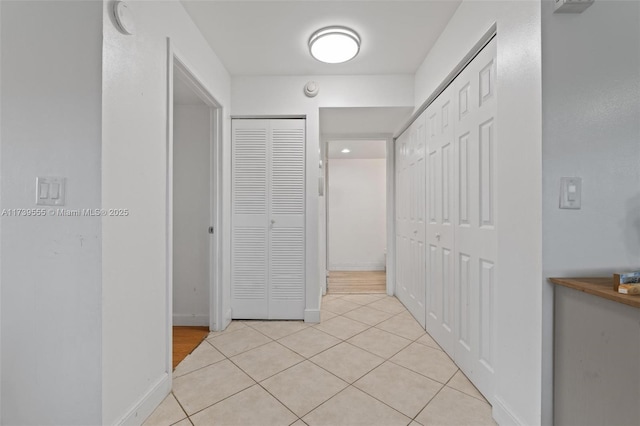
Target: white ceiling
<point x="267" y="37"/>
<point x="360" y="149"/>
<point x="363" y="121"/>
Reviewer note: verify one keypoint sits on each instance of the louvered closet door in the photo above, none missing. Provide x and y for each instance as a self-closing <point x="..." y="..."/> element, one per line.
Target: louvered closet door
<point x="268" y="206"/>
<point x="287" y="208"/>
<point x="476" y="231"/>
<point x="440" y="213"/>
<point x="249" y="235"/>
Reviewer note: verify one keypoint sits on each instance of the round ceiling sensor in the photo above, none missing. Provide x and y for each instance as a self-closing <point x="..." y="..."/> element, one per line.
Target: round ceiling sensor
<point x="311" y="89"/>
<point x="334" y="45"/>
<point x="124" y="18"/>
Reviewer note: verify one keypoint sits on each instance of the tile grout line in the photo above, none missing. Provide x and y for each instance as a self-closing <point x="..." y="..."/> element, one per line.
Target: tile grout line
<point x="303" y="360"/>
<point x="352" y="385"/>
<point x="330" y="372"/>
<point x="381" y="401"/>
<point x="359" y="332"/>
<point x="368" y="371"/>
<point x="340" y="340"/>
<point x="434" y="396"/>
<point x="466" y="394"/>
<point x="199" y="368"/>
<point x="423" y="375"/>
<point x="443" y="351"/>
<point x="389" y="358"/>
<point x="375" y="326"/>
<point x="408" y="369"/>
<point x="281" y="403"/>
<point x="345" y="340"/>
<point x="309" y="360"/>
<point x="321" y="367"/>
<point x="398" y="365"/>
<point x="181" y="407"/>
<point x="225" y="398"/>
<point x="224" y="332"/>
<point x="368" y="305"/>
<point x="281" y="337"/>
<point x="379" y="329"/>
<point x="244" y="372"/>
<point x="258" y="382"/>
<point x="324" y="350"/>
<point x="328" y="399"/>
<point x="250" y="349"/>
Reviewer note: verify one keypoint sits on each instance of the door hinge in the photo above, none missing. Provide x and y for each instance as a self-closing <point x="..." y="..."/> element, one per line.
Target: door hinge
<point x="211" y="230"/>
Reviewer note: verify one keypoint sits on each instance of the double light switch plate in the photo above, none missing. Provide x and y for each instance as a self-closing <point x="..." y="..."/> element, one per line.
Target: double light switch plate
<point x="50" y="191"/>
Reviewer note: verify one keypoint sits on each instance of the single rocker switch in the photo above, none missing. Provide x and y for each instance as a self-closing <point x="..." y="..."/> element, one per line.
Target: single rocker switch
<point x="570" y="193"/>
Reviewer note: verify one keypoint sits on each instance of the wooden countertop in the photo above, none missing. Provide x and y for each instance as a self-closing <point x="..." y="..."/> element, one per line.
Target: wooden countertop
<point x="598" y="286"/>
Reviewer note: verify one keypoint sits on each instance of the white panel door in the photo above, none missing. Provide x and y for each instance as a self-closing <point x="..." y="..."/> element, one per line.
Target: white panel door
<point x="402" y="214"/>
<point x="476" y="234"/>
<point x="268" y="211"/>
<point x="455" y="236"/>
<point x="411" y="180"/>
<point x="440" y="252"/>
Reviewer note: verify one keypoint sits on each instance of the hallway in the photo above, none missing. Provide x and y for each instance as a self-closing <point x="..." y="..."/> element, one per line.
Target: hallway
<point x="368" y="362"/>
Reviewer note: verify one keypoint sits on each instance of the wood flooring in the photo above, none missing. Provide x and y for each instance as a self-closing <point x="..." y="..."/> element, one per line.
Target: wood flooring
<point x="353" y="282"/>
<point x="185" y="340"/>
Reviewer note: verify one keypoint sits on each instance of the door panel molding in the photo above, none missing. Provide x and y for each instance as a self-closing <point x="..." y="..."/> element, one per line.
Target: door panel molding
<point x="455" y="272"/>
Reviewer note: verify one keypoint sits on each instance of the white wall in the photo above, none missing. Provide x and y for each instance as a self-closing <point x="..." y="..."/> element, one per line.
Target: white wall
<point x="134" y="155"/>
<point x="591" y="129"/>
<point x="191" y="214"/>
<point x="517" y="306"/>
<point x="51" y="279"/>
<point x="273" y="95"/>
<point x="357" y="214"/>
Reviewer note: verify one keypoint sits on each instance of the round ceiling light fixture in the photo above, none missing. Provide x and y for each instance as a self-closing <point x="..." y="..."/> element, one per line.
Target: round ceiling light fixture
<point x="334" y="45"/>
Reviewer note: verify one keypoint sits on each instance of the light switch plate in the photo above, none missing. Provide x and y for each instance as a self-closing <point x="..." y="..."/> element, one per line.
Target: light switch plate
<point x="570" y="193"/>
<point x="50" y="191"/>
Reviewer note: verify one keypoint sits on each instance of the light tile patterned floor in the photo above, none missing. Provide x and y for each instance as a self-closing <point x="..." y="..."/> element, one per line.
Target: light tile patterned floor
<point x="367" y="363"/>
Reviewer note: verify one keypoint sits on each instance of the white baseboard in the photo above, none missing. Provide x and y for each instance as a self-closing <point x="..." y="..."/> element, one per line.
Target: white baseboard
<point x="375" y="266"/>
<point x="391" y="285"/>
<point x="227" y="319"/>
<point x="148" y="402"/>
<point x="191" y="320"/>
<point x="503" y="415"/>
<point x="312" y="315"/>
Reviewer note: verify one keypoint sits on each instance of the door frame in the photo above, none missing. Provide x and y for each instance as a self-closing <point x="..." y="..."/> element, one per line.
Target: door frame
<point x="178" y="62"/>
<point x="390" y="202"/>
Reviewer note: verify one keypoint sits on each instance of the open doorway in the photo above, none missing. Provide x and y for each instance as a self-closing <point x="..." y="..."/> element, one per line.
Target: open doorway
<point x="192" y="163"/>
<point x="356" y="211"/>
<point x="360" y="124"/>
